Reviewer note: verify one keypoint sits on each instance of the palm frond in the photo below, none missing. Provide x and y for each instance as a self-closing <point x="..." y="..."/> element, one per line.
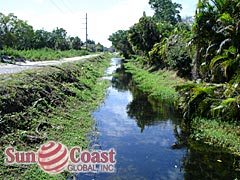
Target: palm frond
<point x="209" y="48"/>
<point x="216" y="59"/>
<point x="223" y="43"/>
<point x="226" y="65"/>
<point x="229" y="28"/>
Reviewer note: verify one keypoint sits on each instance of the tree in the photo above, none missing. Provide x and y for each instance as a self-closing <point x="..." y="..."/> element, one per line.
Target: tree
<point x="42" y="39"/>
<point x="15" y="33"/>
<point x="91" y="45"/>
<point x="59" y="38"/>
<point x="7" y="27"/>
<point x="120" y="41"/>
<point x="75" y="43"/>
<point x="18" y="34"/>
<point x="143" y="35"/>
<point x="172" y="52"/>
<point x="89" y="41"/>
<point x="99" y="47"/>
<point x="166" y="10"/>
<point x="24" y="34"/>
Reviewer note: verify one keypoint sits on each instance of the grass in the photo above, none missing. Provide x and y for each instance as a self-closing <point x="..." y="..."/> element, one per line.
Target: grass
<point x="217" y="133"/>
<point x="42" y="54"/>
<point x="57" y="99"/>
<point x="159" y="84"/>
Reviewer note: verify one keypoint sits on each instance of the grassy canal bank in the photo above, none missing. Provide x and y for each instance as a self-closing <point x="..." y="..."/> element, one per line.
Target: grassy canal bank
<point x="53" y="103"/>
<point x="158" y="84"/>
<point x="162" y="85"/>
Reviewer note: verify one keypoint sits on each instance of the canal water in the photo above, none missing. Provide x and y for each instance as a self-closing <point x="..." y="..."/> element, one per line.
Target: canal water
<point x="148" y="139"/>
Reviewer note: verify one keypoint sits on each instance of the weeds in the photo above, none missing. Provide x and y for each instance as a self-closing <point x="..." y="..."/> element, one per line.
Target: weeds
<point x="159" y="84"/>
<point x="217" y="133"/>
<point x="42" y="54"/>
<point x="52" y="103"/>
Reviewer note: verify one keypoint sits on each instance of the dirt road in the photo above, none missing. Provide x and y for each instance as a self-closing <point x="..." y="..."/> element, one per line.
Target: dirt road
<point x="18" y="67"/>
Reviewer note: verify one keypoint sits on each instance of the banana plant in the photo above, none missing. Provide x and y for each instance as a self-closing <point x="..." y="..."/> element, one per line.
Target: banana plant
<point x="217" y="29"/>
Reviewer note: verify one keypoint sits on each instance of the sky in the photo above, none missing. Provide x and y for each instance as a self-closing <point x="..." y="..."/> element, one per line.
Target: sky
<point x="104" y="16"/>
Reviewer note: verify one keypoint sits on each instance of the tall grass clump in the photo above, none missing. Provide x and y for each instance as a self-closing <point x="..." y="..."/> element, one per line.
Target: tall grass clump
<point x="158" y="84"/>
<point x="42" y="54"/>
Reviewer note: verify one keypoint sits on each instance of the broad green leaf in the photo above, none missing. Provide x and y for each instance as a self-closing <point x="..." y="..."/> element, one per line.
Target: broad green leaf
<point x="216" y="59"/>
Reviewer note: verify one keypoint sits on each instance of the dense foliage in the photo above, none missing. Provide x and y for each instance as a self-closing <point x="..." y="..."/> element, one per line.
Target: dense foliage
<point x="120" y="41"/>
<point x="143" y="35"/>
<point x="166" y="10"/>
<point x="216" y="48"/>
<point x="206" y="50"/>
<point x="216" y="40"/>
<point x="161" y="39"/>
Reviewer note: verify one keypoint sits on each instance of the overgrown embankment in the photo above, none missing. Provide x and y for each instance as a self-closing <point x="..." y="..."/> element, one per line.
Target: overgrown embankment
<point x="158" y="84"/>
<point x="52" y="103"/>
<point x="210" y="111"/>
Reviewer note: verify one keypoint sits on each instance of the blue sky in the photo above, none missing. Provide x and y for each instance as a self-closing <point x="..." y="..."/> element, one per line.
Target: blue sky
<point x="104" y="16"/>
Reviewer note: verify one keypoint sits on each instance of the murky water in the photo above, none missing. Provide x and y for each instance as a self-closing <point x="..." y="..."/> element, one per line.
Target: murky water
<point x="147" y="138"/>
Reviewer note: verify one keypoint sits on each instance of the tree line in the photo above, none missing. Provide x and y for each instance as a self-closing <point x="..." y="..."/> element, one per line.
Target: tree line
<point x="204" y="48"/>
<point x="18" y="34"/>
<point x="160" y="39"/>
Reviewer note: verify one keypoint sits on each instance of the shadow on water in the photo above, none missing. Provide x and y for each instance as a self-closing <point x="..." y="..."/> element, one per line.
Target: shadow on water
<point x="148" y="139"/>
<point x="143" y="109"/>
<point x="203" y="162"/>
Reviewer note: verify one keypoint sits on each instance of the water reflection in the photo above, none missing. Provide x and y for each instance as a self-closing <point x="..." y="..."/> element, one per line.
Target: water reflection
<point x="148" y="139"/>
<point x="141" y="110"/>
<point x="144" y="109"/>
<point x="121" y="79"/>
<point x="204" y="162"/>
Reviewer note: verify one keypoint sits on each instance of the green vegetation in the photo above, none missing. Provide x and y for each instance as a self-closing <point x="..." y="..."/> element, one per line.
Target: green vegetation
<point x="205" y="50"/>
<point x="159" y="84"/>
<point x="120" y="41"/>
<point x="166" y="11"/>
<point x="161" y="39"/>
<point x="42" y="54"/>
<point x="53" y="103"/>
<point x="217" y="133"/>
<point x="213" y="101"/>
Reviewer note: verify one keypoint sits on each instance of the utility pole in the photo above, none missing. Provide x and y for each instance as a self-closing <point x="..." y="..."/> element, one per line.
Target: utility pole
<point x="86" y="33"/>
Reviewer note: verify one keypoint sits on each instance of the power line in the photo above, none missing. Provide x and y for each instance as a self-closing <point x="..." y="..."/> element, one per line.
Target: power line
<point x="68" y="7"/>
<point x="64" y="6"/>
<point x="56" y="6"/>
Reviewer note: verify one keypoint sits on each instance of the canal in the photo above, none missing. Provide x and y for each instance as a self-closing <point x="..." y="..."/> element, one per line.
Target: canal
<point x="147" y="137"/>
